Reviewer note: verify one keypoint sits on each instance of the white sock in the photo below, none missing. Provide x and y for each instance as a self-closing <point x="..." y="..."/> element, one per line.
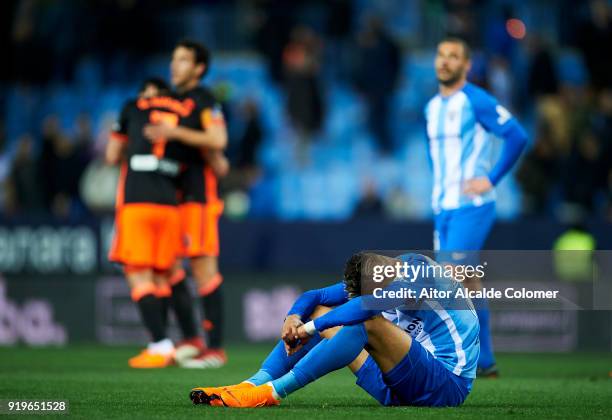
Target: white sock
<point x="274" y="393"/>
<point x="164" y="347"/>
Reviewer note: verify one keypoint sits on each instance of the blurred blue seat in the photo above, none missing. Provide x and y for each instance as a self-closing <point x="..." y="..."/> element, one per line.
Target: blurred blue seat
<point x="571" y="68"/>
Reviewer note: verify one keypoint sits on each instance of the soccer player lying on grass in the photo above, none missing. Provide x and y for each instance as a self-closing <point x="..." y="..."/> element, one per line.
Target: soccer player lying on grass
<point x="403" y="351"/>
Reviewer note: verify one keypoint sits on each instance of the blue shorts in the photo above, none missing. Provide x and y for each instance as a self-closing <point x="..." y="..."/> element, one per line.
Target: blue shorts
<point x="462" y="229"/>
<point x="418" y="380"/>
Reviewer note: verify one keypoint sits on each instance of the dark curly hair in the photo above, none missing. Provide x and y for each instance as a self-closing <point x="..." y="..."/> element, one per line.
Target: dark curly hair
<point x="157" y="82"/>
<point x="358" y="272"/>
<point x="352" y="274"/>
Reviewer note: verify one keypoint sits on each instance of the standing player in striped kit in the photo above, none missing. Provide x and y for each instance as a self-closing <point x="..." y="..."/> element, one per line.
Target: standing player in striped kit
<point x="460" y="120"/>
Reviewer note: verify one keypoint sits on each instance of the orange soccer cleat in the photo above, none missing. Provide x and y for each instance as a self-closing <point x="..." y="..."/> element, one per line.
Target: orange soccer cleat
<point x="204" y="395"/>
<point x="148" y="360"/>
<point x="258" y="396"/>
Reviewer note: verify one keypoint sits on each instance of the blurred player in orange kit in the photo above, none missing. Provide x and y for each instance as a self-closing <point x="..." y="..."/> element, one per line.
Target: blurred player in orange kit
<point x="199" y="207"/>
<point x="147" y="226"/>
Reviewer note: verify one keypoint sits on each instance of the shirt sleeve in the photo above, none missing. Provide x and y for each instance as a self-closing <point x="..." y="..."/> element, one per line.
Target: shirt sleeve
<point x="359" y="309"/>
<point x="350" y="313"/>
<point x="498" y="120"/>
<point x="210" y="110"/>
<point x="329" y="296"/>
<point x="212" y="115"/>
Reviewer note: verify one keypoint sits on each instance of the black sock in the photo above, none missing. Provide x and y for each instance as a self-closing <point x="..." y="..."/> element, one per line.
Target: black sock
<point x="213" y="317"/>
<point x="165" y="306"/>
<point x="151" y="313"/>
<point x="183" y="309"/>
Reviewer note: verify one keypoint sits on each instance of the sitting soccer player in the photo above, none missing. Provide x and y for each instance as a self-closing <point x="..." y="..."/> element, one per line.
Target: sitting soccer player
<point x="403" y="351"/>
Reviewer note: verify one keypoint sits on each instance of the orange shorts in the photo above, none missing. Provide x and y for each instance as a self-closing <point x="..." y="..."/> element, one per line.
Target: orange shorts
<point x="146" y="235"/>
<point x="200" y="228"/>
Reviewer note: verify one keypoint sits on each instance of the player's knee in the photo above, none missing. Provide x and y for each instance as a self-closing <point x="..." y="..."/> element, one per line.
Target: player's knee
<point x="320" y="310"/>
<point x="374" y="324"/>
<point x="209" y="285"/>
<point x="140" y="289"/>
<point x="204" y="272"/>
<point x="204" y="278"/>
<point x="472" y="283"/>
<point x="207" y="280"/>
<point x="137" y="271"/>
<point x="138" y="275"/>
<point x="177" y="276"/>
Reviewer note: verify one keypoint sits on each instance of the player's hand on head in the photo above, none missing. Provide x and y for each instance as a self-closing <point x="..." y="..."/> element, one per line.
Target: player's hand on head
<point x="158" y="132"/>
<point x="477" y="186"/>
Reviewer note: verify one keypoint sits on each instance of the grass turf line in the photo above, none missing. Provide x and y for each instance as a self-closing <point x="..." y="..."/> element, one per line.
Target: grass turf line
<point x="98" y="384"/>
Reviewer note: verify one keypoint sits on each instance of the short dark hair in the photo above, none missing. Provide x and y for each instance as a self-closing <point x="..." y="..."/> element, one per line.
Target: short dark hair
<point x="467" y="51"/>
<point x="158" y="82"/>
<point x="200" y="52"/>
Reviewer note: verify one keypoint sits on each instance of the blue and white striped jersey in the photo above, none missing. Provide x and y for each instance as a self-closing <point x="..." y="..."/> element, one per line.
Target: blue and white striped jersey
<point x="458" y="129"/>
<point x="448" y="330"/>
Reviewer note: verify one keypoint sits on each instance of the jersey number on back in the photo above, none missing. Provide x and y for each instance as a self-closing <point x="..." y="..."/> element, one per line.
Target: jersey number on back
<point x="160" y="117"/>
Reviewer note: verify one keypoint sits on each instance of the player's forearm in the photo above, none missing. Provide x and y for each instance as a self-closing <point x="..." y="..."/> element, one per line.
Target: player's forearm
<point x="214" y="138"/>
<point x="515" y="140"/>
<point x="329" y="296"/>
<point x="114" y="151"/>
<point x="111" y="158"/>
<point x="218" y="162"/>
<point x="357" y="310"/>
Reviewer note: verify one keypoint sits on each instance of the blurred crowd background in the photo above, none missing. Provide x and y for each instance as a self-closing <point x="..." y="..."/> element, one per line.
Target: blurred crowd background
<point x="323" y="99"/>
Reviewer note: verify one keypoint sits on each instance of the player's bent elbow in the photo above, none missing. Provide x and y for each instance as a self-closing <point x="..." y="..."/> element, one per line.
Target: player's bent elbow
<point x="519" y="135"/>
<point x="217" y="138"/>
<point x="521" y="138"/>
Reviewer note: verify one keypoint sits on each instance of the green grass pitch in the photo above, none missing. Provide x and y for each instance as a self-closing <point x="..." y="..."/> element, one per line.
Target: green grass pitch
<point x="98" y="384"/>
